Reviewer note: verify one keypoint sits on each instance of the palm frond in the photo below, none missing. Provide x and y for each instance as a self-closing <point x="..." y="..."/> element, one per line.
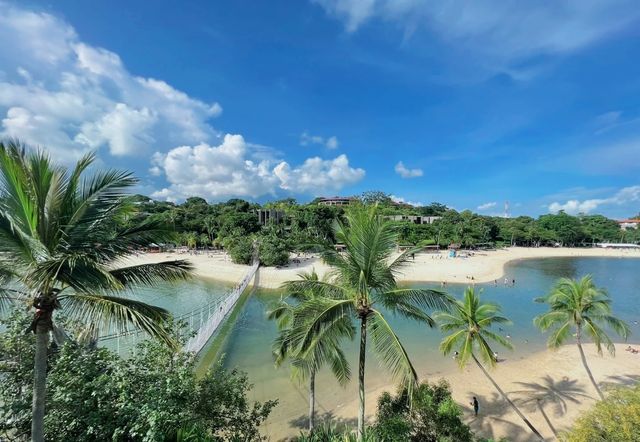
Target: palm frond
<point x="149" y="274"/>
<point x="391" y="351"/>
<point x="112" y="313"/>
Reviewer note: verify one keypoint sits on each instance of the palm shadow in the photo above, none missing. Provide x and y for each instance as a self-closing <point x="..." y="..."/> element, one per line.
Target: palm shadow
<point x="493" y="408"/>
<point x="620" y="380"/>
<point x="557" y="393"/>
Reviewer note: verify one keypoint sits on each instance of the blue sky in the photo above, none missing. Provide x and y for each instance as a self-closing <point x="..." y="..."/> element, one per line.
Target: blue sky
<point x="467" y="103"/>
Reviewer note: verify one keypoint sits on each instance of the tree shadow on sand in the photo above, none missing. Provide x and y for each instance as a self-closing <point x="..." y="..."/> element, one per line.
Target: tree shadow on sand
<point x="622" y="380"/>
<point x="493" y="408"/>
<point x="556" y="393"/>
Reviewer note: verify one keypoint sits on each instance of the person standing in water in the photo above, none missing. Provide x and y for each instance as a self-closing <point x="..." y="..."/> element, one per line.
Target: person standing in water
<point x="476" y="405"/>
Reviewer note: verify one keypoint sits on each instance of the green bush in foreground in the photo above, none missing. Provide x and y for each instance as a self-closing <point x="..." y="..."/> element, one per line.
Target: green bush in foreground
<point x="432" y="416"/>
<point x="615" y="419"/>
<point x="94" y="395"/>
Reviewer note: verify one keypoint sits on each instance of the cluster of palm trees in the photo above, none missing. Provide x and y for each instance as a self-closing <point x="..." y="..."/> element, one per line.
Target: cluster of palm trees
<point x="318" y="315"/>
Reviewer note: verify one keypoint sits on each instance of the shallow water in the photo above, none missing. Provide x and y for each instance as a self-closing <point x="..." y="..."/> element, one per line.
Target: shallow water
<point x="249" y="344"/>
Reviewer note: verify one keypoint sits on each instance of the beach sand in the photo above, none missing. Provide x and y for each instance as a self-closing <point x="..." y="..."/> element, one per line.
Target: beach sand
<point x="557" y="378"/>
<point x="483" y="266"/>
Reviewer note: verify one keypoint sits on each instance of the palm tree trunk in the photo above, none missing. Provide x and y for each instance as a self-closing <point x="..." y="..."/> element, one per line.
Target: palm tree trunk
<point x="312" y="400"/>
<point x="39" y="381"/>
<point x="586" y="367"/>
<point x="546" y="418"/>
<point x="363" y="349"/>
<point x="504" y="395"/>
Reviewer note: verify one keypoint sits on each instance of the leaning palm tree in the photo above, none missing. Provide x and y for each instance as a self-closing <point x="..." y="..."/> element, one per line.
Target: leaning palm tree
<point x="580" y="307"/>
<point x="62" y="236"/>
<point x="361" y="284"/>
<point x="324" y="350"/>
<point x="470" y="323"/>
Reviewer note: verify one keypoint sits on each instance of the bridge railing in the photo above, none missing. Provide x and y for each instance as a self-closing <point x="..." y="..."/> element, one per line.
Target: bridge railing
<point x="203" y="321"/>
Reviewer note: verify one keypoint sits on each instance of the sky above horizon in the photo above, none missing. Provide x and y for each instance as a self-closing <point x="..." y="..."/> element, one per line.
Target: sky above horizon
<point x="471" y="104"/>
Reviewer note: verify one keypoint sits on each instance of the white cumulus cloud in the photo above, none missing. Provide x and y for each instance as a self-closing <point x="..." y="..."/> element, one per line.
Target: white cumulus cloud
<point x="330" y="143"/>
<point x="487" y="206"/>
<point x="624" y="196"/>
<point x="232" y="169"/>
<point x="60" y="92"/>
<point x="405" y="172"/>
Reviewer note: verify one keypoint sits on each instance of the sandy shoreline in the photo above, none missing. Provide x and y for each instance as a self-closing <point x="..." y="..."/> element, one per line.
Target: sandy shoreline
<point x="482" y="266"/>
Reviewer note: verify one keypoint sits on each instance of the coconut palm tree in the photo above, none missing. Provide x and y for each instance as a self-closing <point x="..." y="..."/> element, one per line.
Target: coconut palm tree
<point x="61" y="240"/>
<point x="470" y="326"/>
<point x="324" y="350"/>
<point x="578" y="306"/>
<point x="362" y="284"/>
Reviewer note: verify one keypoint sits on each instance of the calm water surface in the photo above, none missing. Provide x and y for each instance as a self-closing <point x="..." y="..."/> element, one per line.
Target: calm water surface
<point x="249" y="345"/>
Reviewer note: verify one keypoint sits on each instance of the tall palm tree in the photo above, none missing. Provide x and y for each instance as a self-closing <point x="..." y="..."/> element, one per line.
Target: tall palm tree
<point x="61" y="240"/>
<point x="362" y="281"/>
<point x="470" y="323"/>
<point x="580" y="307"/>
<point x="324" y="350"/>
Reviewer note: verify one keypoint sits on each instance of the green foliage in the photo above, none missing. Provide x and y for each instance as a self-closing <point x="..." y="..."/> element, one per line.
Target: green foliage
<point x="240" y="249"/>
<point x="333" y="434"/>
<point x="614" y="419"/>
<point x="273" y="247"/>
<point x="432" y="416"/>
<point x="581" y="307"/>
<point x="362" y="282"/>
<point x="92" y="394"/>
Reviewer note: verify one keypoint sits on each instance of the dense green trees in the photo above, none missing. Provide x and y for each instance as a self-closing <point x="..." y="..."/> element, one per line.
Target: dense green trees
<point x="306" y="224"/>
<point x="95" y="395"/>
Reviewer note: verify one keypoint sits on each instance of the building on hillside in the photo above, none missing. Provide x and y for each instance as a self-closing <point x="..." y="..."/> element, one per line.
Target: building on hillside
<point x="629" y="224"/>
<point x="336" y="201"/>
<point x="415" y="219"/>
<point x="266" y="216"/>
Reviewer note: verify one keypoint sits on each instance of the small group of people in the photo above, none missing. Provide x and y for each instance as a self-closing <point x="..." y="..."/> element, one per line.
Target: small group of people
<point x="632" y="350"/>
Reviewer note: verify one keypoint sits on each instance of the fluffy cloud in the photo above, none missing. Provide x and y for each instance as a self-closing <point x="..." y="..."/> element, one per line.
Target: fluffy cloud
<point x="329" y="143"/>
<point x="623" y="196"/>
<point x="232" y="169"/>
<point x="401" y="200"/>
<point x="487" y="206"/>
<point x="59" y="92"/>
<point x="404" y="172"/>
<point x="505" y="28"/>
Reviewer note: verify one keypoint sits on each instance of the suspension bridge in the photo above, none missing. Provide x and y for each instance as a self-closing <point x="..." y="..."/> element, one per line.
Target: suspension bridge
<point x="199" y="324"/>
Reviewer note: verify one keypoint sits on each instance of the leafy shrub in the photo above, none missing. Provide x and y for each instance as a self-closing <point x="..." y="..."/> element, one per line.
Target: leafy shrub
<point x="240" y="249"/>
<point x="92" y="394"/>
<point x="432" y="416"/>
<point x="615" y="419"/>
<point x="274" y="250"/>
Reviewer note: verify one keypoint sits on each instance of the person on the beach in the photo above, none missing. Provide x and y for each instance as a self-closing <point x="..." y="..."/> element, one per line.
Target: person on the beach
<point x="513" y="282"/>
<point x="476" y="405"/>
<point x="455" y="355"/>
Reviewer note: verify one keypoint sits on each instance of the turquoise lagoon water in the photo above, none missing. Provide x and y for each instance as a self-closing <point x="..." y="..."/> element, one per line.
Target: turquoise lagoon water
<point x="248" y="346"/>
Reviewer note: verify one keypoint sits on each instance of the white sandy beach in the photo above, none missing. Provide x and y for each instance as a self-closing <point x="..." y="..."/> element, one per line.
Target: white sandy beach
<point x="483" y="266"/>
